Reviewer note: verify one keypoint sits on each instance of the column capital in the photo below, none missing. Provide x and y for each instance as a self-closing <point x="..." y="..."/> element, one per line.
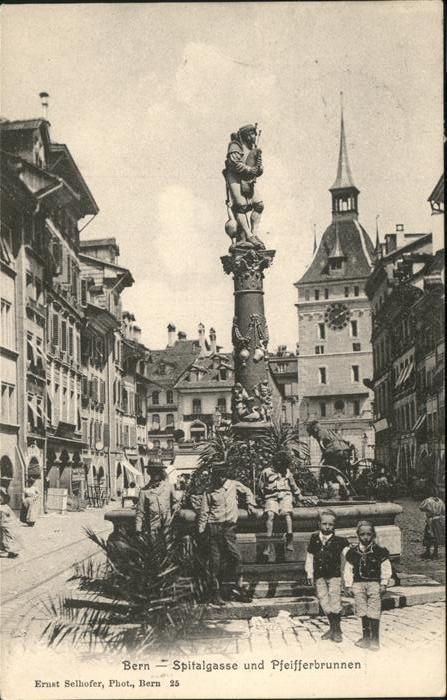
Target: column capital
<point x="247" y="267"/>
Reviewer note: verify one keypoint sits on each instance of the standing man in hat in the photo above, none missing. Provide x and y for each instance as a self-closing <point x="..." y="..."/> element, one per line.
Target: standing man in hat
<point x="243" y="166"/>
<point x="156" y="502"/>
<point x="219" y="513"/>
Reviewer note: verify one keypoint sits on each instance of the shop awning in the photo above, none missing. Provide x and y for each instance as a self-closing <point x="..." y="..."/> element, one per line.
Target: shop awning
<point x="132" y="470"/>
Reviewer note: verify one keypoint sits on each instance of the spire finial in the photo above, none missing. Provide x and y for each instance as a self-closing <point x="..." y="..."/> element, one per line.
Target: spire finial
<point x="315" y="239"/>
<point x="377" y="246"/>
<point x="344" y="176"/>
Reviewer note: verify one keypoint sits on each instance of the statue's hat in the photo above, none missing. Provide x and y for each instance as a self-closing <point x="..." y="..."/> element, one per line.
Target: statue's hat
<point x="247" y="127"/>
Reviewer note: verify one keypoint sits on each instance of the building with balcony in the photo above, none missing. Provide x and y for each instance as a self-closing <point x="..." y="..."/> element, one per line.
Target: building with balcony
<point x="406" y="291"/>
<point x="334" y="322"/>
<point x="50" y="198"/>
<point x="108" y="405"/>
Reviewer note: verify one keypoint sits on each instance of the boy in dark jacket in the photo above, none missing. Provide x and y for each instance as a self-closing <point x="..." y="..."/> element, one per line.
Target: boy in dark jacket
<point x="367" y="573"/>
<point x="323" y="568"/>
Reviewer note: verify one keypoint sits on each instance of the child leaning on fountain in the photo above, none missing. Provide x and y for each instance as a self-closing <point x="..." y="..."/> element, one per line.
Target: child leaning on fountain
<point x="277" y="487"/>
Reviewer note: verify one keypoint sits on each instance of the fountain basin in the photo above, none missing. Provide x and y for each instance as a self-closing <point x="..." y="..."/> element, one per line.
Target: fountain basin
<point x="251" y="538"/>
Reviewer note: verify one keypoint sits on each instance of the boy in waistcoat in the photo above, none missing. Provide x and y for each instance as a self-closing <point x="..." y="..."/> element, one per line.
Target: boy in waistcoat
<point x="323" y="568"/>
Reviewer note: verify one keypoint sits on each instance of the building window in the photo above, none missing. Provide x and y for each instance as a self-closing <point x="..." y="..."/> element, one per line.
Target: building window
<point x="8" y="407"/>
<point x="356" y="407"/>
<point x="326" y="293"/>
<point x="316" y="294"/>
<point x="155" y="398"/>
<point x="322" y="376"/>
<point x="155" y="422"/>
<point x="170" y="420"/>
<point x="196" y="406"/>
<point x="346" y="291"/>
<point x="323" y="409"/>
<point x="7" y="335"/>
<point x="339" y="406"/>
<point x="321" y="331"/>
<point x="223" y="374"/>
<point x="169" y="396"/>
<point x="319" y="350"/>
<point x="336" y="264"/>
<point x="170" y="444"/>
<point x="306" y="295"/>
<point x="222" y="405"/>
<point x="356" y="347"/>
<point x="354" y="329"/>
<point x="355" y="373"/>
<point x="356" y="291"/>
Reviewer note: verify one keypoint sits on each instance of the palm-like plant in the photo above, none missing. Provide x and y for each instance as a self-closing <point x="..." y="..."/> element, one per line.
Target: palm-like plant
<point x="147" y="593"/>
<point x="246" y="458"/>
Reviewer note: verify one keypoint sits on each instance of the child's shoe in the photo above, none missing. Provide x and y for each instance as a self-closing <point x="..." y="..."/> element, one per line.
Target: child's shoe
<point x="364" y="642"/>
<point x="336" y="629"/>
<point x="217" y="601"/>
<point x="374" y="643"/>
<point x="328" y="633"/>
<point x="289" y="542"/>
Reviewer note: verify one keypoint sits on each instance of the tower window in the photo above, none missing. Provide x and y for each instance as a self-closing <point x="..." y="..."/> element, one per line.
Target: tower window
<point x="356" y="291"/>
<point x="323" y="409"/>
<point x="356" y="407"/>
<point x="321" y="331"/>
<point x="356" y="347"/>
<point x="346" y="291"/>
<point x="306" y="295"/>
<point x="336" y="264"/>
<point x="317" y="294"/>
<point x="354" y="329"/>
<point x="339" y="405"/>
<point x="319" y="350"/>
<point x="355" y="373"/>
<point x="322" y="376"/>
<point x="326" y="293"/>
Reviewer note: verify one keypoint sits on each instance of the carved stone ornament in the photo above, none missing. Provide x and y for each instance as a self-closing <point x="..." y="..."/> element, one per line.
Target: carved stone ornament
<point x="242" y="405"/>
<point x="263" y="393"/>
<point x="247" y="267"/>
<point x="258" y="332"/>
<point x="241" y="343"/>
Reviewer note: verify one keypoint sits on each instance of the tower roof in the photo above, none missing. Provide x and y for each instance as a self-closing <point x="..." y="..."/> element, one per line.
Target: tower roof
<point x="347" y="239"/>
<point x="344" y="178"/>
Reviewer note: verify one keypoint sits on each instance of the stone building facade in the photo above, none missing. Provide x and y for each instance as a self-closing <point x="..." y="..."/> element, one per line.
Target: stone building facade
<point x="334" y="323"/>
<point x="406" y="290"/>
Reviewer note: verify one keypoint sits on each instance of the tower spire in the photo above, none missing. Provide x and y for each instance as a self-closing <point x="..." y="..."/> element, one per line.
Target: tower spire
<point x="344" y="174"/>
<point x="315" y="239"/>
<point x="344" y="192"/>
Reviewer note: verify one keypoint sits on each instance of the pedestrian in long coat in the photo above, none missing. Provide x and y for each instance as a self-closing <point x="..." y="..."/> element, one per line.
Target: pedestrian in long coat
<point x="30" y="502"/>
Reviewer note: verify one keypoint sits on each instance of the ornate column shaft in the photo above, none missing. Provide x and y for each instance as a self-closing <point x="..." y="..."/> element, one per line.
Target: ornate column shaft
<point x="252" y="395"/>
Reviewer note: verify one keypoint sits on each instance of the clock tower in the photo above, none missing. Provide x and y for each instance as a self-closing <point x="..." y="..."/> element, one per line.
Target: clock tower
<point x="334" y="323"/>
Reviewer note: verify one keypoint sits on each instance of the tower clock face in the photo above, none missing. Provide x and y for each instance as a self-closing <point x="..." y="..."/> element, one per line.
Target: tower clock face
<point x="337" y="316"/>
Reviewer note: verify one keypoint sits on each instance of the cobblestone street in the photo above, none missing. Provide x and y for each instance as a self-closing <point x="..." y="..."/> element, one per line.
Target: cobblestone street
<point x="49" y="551"/>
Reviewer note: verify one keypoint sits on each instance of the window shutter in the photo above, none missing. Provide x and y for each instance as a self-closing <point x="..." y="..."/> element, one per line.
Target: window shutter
<point x="102" y="396"/>
<point x="83" y="292"/>
<point x="106" y="435"/>
<point x="55" y="329"/>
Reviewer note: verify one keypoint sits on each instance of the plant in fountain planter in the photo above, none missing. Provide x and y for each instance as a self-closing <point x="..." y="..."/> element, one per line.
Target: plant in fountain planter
<point x="146" y="594"/>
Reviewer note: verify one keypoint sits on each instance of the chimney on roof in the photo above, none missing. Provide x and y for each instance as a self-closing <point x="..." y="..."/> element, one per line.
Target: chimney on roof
<point x="201" y="332"/>
<point x="181" y="335"/>
<point x="44" y="99"/>
<point x="171" y="335"/>
<point x="136" y="333"/>
<point x="213" y="339"/>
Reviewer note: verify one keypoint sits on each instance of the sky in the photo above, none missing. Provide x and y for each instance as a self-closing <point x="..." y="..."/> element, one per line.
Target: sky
<point x="146" y="96"/>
